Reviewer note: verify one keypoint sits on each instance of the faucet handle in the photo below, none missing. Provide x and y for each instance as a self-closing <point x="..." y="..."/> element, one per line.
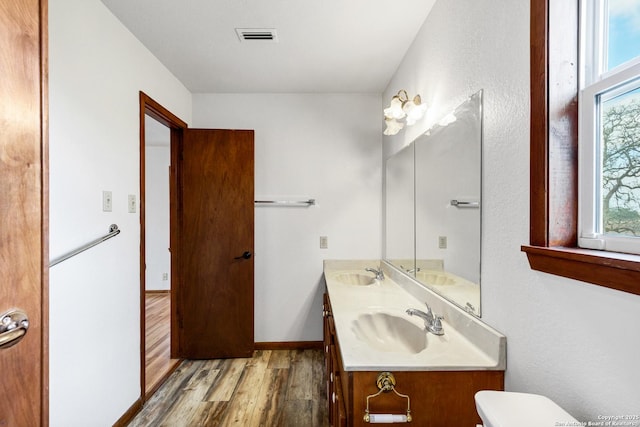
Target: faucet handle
<point x="436" y="326"/>
<point x="429" y="311"/>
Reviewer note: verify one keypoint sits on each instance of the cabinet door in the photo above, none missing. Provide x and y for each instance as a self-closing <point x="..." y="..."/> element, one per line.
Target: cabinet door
<point x="328" y="376"/>
<point x="326" y="314"/>
<point x="339" y="410"/>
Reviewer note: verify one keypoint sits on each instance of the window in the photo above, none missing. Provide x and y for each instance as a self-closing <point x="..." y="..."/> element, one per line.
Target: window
<point x="553" y="242"/>
<point x="609" y="133"/>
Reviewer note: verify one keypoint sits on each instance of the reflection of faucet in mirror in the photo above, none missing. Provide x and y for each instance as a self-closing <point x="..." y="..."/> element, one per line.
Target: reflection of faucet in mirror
<point x="379" y="274"/>
<point x="410" y="270"/>
<point x="432" y="322"/>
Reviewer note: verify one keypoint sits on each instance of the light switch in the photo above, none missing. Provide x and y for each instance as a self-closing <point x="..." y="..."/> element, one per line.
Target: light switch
<point x="442" y="242"/>
<point x="324" y="242"/>
<point x="107" y="201"/>
<point x="132" y="203"/>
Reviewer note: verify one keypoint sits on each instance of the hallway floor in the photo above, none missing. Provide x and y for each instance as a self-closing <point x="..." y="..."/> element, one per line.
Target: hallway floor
<point x="158" y="361"/>
<point x="274" y="388"/>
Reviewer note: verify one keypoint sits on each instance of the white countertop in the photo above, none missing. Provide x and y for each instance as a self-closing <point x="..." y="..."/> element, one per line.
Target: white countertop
<point x="467" y="344"/>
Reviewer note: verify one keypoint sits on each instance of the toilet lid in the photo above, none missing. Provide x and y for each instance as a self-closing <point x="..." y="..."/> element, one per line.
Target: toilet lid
<point x="510" y="409"/>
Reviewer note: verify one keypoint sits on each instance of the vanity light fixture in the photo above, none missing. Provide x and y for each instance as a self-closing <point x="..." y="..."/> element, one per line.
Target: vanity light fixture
<point x="402" y="108"/>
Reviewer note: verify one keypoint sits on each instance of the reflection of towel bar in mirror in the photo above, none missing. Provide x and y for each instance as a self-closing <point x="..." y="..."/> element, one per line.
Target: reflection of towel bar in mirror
<point x="464" y="204"/>
<point x="309" y="202"/>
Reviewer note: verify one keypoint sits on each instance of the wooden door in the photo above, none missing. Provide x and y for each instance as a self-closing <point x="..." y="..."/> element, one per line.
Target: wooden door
<point x="216" y="216"/>
<point x="23" y="248"/>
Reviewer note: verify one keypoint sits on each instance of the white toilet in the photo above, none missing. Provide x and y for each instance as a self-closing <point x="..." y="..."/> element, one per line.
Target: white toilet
<point x="508" y="409"/>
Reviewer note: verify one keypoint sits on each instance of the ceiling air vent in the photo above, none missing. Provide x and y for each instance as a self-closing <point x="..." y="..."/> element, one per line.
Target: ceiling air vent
<point x="257" y="34"/>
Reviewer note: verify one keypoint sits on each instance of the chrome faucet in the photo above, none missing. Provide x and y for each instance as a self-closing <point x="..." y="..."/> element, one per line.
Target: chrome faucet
<point x="432" y="323"/>
<point x="379" y="274"/>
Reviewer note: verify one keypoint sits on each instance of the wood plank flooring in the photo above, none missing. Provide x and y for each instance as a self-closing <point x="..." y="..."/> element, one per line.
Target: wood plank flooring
<point x="158" y="361"/>
<point x="274" y="388"/>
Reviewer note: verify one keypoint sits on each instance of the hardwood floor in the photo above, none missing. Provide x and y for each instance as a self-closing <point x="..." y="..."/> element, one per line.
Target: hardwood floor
<point x="274" y="388"/>
<point x="158" y="361"/>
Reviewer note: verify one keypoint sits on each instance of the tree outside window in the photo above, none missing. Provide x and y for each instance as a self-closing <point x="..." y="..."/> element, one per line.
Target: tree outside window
<point x="620" y="185"/>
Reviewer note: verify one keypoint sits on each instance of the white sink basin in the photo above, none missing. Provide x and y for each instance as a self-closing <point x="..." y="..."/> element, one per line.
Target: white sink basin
<point x="357" y="279"/>
<point x="389" y="333"/>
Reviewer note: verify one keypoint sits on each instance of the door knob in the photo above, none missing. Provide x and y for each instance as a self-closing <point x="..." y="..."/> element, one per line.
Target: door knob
<point x="13" y="326"/>
<point x="245" y="255"/>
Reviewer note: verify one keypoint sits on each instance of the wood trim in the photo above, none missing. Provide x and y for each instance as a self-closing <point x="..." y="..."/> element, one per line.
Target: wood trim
<point x="289" y="345"/>
<point x="175" y="214"/>
<point x="161" y="114"/>
<point x="126" y="418"/>
<point x="554" y="123"/>
<point x="538" y="132"/>
<point x="143" y="248"/>
<point x="554" y="157"/>
<point x="157" y="291"/>
<point x="44" y="128"/>
<point x="611" y="270"/>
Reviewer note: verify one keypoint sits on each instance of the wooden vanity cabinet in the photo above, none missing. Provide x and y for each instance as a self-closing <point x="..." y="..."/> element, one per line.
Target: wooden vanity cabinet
<point x="335" y="394"/>
<point x="438" y="398"/>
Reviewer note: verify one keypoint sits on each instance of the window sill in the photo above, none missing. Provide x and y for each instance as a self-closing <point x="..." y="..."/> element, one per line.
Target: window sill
<point x="613" y="270"/>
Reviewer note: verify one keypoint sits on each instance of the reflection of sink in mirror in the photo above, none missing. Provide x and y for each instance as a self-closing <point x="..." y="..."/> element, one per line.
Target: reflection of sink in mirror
<point x="355" y="279"/>
<point x="435" y="278"/>
<point x="389" y="333"/>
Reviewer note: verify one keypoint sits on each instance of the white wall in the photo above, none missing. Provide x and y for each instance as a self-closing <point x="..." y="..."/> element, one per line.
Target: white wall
<point x="158" y="257"/>
<point x="96" y="70"/>
<point x="574" y="342"/>
<point x="321" y="146"/>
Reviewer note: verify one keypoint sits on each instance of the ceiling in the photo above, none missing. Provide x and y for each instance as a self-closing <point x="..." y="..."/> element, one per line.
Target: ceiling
<point x="323" y="46"/>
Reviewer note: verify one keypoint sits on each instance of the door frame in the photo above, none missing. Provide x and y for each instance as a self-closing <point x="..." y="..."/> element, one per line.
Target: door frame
<point x="152" y="108"/>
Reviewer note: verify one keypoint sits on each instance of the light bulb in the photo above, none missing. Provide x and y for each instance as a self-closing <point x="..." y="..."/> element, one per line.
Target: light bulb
<point x="393" y="126"/>
<point x="415" y="109"/>
<point x="395" y="109"/>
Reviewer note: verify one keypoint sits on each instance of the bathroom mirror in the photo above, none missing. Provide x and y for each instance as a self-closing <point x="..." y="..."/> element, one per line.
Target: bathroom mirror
<point x="432" y="206"/>
<point x="399" y="212"/>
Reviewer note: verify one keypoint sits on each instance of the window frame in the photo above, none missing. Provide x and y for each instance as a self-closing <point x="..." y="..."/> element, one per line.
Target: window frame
<point x="553" y="231"/>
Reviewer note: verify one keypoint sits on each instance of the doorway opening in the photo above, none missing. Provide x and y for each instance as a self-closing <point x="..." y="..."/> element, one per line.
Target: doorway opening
<point x="157" y="159"/>
<point x="160" y="132"/>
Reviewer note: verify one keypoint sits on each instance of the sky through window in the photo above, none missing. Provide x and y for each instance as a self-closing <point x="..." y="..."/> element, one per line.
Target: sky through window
<point x="624" y="31"/>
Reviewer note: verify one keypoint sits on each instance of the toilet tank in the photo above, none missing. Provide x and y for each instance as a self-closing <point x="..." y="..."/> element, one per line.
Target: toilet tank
<point x="511" y="409"/>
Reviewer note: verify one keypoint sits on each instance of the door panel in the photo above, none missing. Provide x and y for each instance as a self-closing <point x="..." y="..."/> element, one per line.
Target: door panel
<point x="23" y="252"/>
<point x="216" y="216"/>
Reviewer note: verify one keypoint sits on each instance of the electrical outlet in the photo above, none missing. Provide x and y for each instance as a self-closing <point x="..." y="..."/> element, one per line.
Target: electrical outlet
<point x="132" y="203"/>
<point x="442" y="242"/>
<point x="107" y="201"/>
<point x="324" y="242"/>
